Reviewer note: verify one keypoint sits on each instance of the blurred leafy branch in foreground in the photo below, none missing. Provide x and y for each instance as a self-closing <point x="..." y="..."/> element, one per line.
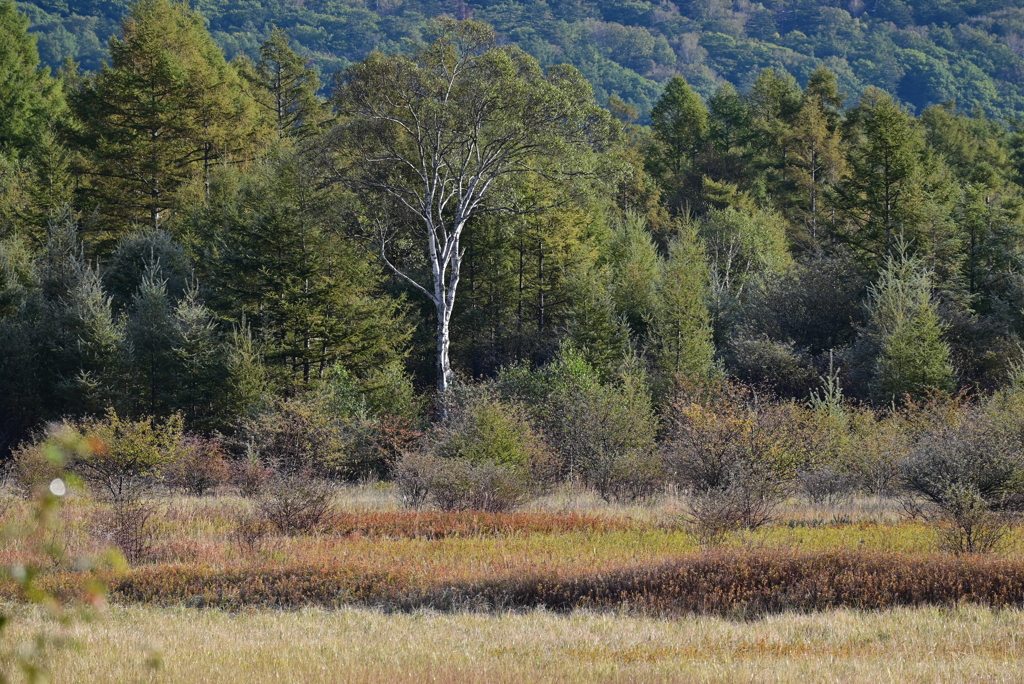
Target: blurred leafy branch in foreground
<point x="31" y="659"/>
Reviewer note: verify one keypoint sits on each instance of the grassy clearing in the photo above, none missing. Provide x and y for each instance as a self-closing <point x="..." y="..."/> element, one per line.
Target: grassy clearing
<point x="353" y="645"/>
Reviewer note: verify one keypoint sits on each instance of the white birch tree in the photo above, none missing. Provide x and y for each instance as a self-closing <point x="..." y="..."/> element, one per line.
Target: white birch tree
<point x="431" y="139"/>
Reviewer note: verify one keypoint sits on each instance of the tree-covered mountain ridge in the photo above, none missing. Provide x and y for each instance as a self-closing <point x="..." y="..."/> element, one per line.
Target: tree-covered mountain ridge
<point x="928" y="52"/>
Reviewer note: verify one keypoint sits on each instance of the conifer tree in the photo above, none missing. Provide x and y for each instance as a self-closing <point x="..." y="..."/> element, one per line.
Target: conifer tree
<point x="202" y="387"/>
<point x="680" y="124"/>
<point x="634" y="263"/>
<point x="151" y="339"/>
<point x="286" y="88"/>
<point x="912" y="359"/>
<point x="595" y="328"/>
<point x="167" y="108"/>
<point x="682" y="325"/>
<point x="884" y="195"/>
<point x="815" y="163"/>
<point x="30" y="100"/>
<point x="274" y="252"/>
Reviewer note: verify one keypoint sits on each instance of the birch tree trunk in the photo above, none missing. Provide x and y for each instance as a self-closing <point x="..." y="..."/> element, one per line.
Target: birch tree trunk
<point x="429" y="140"/>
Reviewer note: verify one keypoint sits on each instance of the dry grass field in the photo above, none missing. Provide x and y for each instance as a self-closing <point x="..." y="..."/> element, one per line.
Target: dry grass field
<point x="965" y="644"/>
<point x="385" y="594"/>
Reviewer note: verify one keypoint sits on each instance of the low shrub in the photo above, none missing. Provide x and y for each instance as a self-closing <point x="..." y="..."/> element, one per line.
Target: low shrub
<point x="414" y="474"/>
<point x="738" y="459"/>
<point x="295" y="436"/>
<point x="481" y="429"/>
<point x="297" y="503"/>
<point x="736" y="583"/>
<point x="484" y="456"/>
<point x="127" y="525"/>
<point x="200" y="467"/>
<point x="603" y="430"/>
<point x="461" y="485"/>
<point x="251" y="531"/>
<point x="458" y="484"/>
<point x="827" y="485"/>
<point x="126" y="458"/>
<point x="250" y="476"/>
<point x="970" y="477"/>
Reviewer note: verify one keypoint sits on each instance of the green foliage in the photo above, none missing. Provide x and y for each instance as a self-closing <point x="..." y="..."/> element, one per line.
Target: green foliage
<point x="604" y="432"/>
<point x="30" y="100"/>
<point x="480" y="428"/>
<point x="434" y="139"/>
<point x="682" y="323"/>
<point x="286" y="86"/>
<point x="123" y="460"/>
<point x="634" y="267"/>
<point x="273" y="251"/>
<point x="912" y="359"/>
<point x="885" y="195"/>
<point x="168" y="106"/>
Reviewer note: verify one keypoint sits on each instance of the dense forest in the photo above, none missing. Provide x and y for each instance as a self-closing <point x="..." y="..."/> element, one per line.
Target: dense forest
<point x="924" y="52"/>
<point x="191" y="236"/>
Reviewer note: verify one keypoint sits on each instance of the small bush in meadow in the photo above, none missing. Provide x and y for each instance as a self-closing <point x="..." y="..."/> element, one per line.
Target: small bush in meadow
<point x="602" y="430"/>
<point x="251" y="531"/>
<point x="250" y="475"/>
<point x="970" y="477"/>
<point x="126" y="458"/>
<point x="127" y="525"/>
<point x="737" y="458"/>
<point x="297" y="503"/>
<point x="484" y="456"/>
<point x="414" y="474"/>
<point x="458" y="484"/>
<point x="827" y="485"/>
<point x="296" y="435"/>
<point x="201" y="466"/>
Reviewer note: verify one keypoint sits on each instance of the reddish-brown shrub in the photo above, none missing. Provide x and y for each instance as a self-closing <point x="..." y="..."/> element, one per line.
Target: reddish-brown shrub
<point x="739" y="583"/>
<point x="201" y="466"/>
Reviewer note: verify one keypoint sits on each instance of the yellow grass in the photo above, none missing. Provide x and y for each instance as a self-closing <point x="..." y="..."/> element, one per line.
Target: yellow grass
<point x="907" y="645"/>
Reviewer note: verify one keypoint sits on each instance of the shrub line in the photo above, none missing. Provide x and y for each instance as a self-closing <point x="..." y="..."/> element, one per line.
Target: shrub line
<point x="737" y="583"/>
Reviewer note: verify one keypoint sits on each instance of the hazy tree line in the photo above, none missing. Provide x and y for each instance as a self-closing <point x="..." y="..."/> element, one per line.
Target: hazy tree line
<point x="181" y="234"/>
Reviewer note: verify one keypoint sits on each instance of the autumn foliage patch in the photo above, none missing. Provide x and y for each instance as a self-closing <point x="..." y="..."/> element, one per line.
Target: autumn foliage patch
<point x="720" y="582"/>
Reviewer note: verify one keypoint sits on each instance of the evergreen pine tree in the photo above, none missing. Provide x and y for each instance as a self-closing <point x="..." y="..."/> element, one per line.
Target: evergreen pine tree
<point x="682" y="325"/>
<point x="151" y="337"/>
<point x="167" y="108"/>
<point x="275" y="253"/>
<point x="203" y="382"/>
<point x="912" y="359"/>
<point x="634" y="263"/>
<point x="595" y="329"/>
<point x="286" y="88"/>
<point x="30" y="100"/>
<point x="885" y="194"/>
<point x="680" y="124"/>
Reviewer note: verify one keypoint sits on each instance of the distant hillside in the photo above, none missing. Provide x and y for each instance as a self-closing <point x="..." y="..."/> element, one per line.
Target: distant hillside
<point x="925" y="52"/>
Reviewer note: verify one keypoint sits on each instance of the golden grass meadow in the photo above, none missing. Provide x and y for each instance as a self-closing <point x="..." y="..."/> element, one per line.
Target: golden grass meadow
<point x="569" y="589"/>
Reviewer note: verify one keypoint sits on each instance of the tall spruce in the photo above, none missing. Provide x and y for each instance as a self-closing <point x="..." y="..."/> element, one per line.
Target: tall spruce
<point x="884" y="195"/>
<point x="166" y="109"/>
<point x="30" y="99"/>
<point x="275" y="253"/>
<point x="679" y="121"/>
<point x="912" y="358"/>
<point x="682" y="332"/>
<point x="286" y="88"/>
